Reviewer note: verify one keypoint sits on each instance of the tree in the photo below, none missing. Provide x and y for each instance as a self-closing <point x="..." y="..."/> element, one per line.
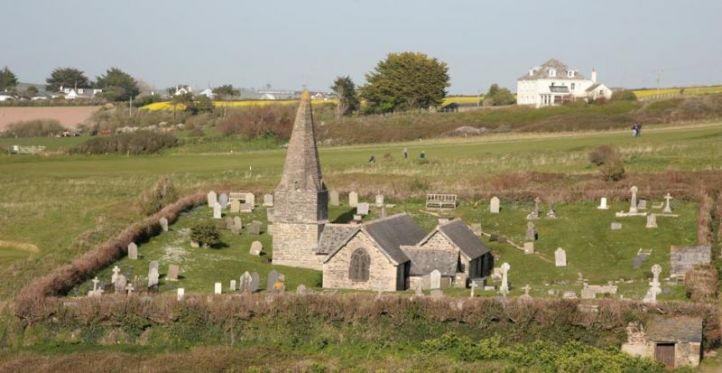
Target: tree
<point x="346" y="92"/>
<point x="405" y="81"/>
<point x="117" y="85"/>
<point x="498" y="96"/>
<point x="226" y="90"/>
<point x="8" y="80"/>
<point x="31" y="91"/>
<point x="66" y="77"/>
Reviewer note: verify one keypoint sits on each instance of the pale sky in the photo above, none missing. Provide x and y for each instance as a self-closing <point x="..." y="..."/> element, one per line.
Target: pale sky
<point x="289" y="44"/>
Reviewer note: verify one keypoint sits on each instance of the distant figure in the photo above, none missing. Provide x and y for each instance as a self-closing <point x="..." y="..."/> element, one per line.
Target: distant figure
<point x="372" y="159"/>
<point x="422" y="156"/>
<point x="639" y="130"/>
<point x="406" y="153"/>
<point x="635" y="129"/>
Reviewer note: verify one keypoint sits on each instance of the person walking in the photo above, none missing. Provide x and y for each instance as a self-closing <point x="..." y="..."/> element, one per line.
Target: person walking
<point x="406" y="153"/>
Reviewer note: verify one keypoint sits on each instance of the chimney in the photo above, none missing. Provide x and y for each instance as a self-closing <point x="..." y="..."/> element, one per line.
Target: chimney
<point x="594" y="75"/>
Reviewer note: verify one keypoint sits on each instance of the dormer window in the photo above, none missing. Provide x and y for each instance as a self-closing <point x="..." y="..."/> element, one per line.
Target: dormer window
<point x="570" y="73"/>
<point x="552" y="73"/>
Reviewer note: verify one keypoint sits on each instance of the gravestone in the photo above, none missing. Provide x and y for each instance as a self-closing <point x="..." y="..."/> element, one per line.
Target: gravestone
<point x="254" y="228"/>
<point x="280" y="284"/>
<point x="116" y="272"/>
<point x="333" y="198"/>
<point x="529" y="247"/>
<point x="494" y="205"/>
<point x="132" y="251"/>
<point x="435" y="279"/>
<point x="654" y="286"/>
<point x="153" y="275"/>
<point x="530" y="232"/>
<point x="379" y="200"/>
<point x="667" y="205"/>
<point x="639" y="259"/>
<point x="603" y="204"/>
<point x="301" y="289"/>
<point x="97" y="291"/>
<point x="237" y="225"/>
<point x="232" y="286"/>
<point x="119" y="284"/>
<point x="534" y="214"/>
<point x="217" y="288"/>
<point x="642" y="205"/>
<point x="551" y="214"/>
<point x="504" y="288"/>
<point x="256" y="248"/>
<point x="180" y="293"/>
<point x="235" y="206"/>
<point x="229" y="222"/>
<point x="268" y="200"/>
<point x="173" y="270"/>
<point x="437" y="294"/>
<point x="269" y="214"/>
<point x="217" y="214"/>
<point x="129" y="288"/>
<point x="616" y="226"/>
<point x="633" y="201"/>
<point x="163" y="224"/>
<point x="223" y="200"/>
<point x="419" y="292"/>
<point x="569" y="295"/>
<point x="246" y="208"/>
<point x="526" y="289"/>
<point x="362" y="208"/>
<point x="212" y="198"/>
<point x="560" y="257"/>
<point x="255" y="281"/>
<point x="271" y="280"/>
<point x="251" y="200"/>
<point x="244" y="285"/>
<point x="651" y="221"/>
<point x="352" y="199"/>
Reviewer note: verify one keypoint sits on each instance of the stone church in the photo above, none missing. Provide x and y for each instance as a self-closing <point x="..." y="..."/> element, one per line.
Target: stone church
<point x="386" y="254"/>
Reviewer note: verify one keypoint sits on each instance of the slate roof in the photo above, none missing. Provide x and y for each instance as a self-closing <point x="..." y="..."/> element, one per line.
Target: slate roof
<point x="335" y="235"/>
<point x="675" y="329"/>
<point x="393" y="232"/>
<point x="425" y="261"/>
<point x="593" y="87"/>
<point x="461" y="235"/>
<point x="542" y="72"/>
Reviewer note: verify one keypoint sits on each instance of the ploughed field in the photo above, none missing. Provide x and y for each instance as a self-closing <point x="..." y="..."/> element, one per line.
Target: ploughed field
<point x="68" y="116"/>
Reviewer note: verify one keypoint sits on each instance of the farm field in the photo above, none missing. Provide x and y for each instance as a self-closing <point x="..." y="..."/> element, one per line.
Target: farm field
<point x="690" y="91"/>
<point x="68" y="116"/>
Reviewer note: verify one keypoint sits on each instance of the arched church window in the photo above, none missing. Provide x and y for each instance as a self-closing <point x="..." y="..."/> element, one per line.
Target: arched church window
<point x="358" y="269"/>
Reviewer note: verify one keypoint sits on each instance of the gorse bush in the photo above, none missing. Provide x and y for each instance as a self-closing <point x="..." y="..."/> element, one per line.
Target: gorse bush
<point x="141" y="142"/>
<point x="34" y="128"/>
<point x="206" y="234"/>
<point x="162" y="194"/>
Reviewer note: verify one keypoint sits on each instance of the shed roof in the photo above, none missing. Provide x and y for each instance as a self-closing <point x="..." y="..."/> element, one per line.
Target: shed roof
<point x="675" y="329"/>
<point x="463" y="238"/>
<point x="425" y="261"/>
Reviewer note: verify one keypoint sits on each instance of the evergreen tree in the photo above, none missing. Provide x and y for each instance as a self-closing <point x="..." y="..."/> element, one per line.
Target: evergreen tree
<point x="8" y="80"/>
<point x="345" y="91"/>
<point x="66" y="77"/>
<point x="117" y="85"/>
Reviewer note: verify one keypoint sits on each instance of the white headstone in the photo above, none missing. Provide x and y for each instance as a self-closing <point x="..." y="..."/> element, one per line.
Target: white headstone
<point x="435" y="279"/>
<point x="244" y="285"/>
<point x="235" y="206"/>
<point x="256" y="248"/>
<point x="651" y="221"/>
<point x="352" y="199"/>
<point x="603" y="204"/>
<point x="212" y="198"/>
<point x="667" y="206"/>
<point x="616" y="226"/>
<point x="217" y="288"/>
<point x="333" y="198"/>
<point x="223" y="200"/>
<point x="232" y="286"/>
<point x="153" y="274"/>
<point x="181" y="293"/>
<point x="268" y="200"/>
<point x="494" y="205"/>
<point x="163" y="224"/>
<point x="529" y="247"/>
<point x="116" y="271"/>
<point x="560" y="257"/>
<point x="362" y="208"/>
<point x="132" y="251"/>
<point x="654" y="286"/>
<point x="504" y="288"/>
<point x="379" y="200"/>
<point x="633" y="201"/>
<point x="217" y="214"/>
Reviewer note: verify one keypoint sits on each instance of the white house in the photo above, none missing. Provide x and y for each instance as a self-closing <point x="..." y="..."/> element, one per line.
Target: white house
<point x="6" y="96"/>
<point x="554" y="83"/>
<point x="83" y="93"/>
<point x="182" y="89"/>
<point x="208" y="93"/>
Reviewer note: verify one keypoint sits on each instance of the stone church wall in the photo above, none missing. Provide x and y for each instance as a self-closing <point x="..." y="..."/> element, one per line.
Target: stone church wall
<point x="383" y="274"/>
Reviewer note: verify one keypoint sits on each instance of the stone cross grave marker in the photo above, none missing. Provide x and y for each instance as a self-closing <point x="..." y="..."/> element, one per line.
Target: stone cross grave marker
<point x="530" y="232"/>
<point x="129" y="288"/>
<point x="435" y="279"/>
<point x="352" y="199"/>
<point x="271" y="281"/>
<point x="217" y="288"/>
<point x="163" y="224"/>
<point x="153" y="275"/>
<point x="212" y="198"/>
<point x="603" y="204"/>
<point x="654" y="286"/>
<point x="232" y="286"/>
<point x="223" y="200"/>
<point x="651" y="221"/>
<point x="494" y="205"/>
<point x="529" y="247"/>
<point x="255" y="281"/>
<point x="560" y="257"/>
<point x="256" y="248"/>
<point x="534" y="214"/>
<point x="633" y="201"/>
<point x="235" y="206"/>
<point x="362" y="208"/>
<point x="526" y="289"/>
<point x="119" y="283"/>
<point x="181" y="292"/>
<point x="379" y="200"/>
<point x="244" y="285"/>
<point x="255" y="228"/>
<point x="504" y="288"/>
<point x="268" y="200"/>
<point x="217" y="214"/>
<point x="116" y="271"/>
<point x="173" y="270"/>
<point x="333" y="198"/>
<point x="132" y="251"/>
<point x="667" y="206"/>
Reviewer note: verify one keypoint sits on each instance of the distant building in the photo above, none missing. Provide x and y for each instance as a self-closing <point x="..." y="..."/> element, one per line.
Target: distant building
<point x="208" y="93"/>
<point x="79" y="93"/>
<point x="6" y="96"/>
<point x="554" y="83"/>
<point x="182" y="89"/>
<point x="675" y="341"/>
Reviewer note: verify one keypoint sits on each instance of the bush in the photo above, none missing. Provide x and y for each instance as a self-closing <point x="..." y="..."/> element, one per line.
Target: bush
<point x="609" y="162"/>
<point x="256" y="121"/>
<point x="206" y="234"/>
<point x="623" y="95"/>
<point x="34" y="128"/>
<point x="602" y="154"/>
<point x="498" y="96"/>
<point x="162" y="194"/>
<point x="702" y="284"/>
<point x="141" y="142"/>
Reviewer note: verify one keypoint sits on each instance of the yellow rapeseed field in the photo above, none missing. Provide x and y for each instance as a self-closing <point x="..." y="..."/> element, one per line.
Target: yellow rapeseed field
<point x="705" y="90"/>
<point x="462" y="100"/>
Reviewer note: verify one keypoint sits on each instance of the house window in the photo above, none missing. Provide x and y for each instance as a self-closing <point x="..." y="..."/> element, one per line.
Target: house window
<point x="552" y="72"/>
<point x="572" y="86"/>
<point x="358" y="269"/>
<point x="570" y="73"/>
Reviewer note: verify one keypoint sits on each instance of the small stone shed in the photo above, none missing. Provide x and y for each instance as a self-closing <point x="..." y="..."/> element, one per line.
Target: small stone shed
<point x="675" y="342"/>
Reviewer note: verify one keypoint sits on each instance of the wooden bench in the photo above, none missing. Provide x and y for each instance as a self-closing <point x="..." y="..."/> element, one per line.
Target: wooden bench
<point x="441" y="201"/>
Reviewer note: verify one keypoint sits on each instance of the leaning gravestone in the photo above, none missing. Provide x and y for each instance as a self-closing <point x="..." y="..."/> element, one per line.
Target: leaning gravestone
<point x="435" y="279"/>
<point x="560" y="257"/>
<point x="235" y="206"/>
<point x="255" y="227"/>
<point x="362" y="208"/>
<point x="232" y="286"/>
<point x="379" y="200"/>
<point x="256" y="248"/>
<point x="163" y="224"/>
<point x="271" y="281"/>
<point x="255" y="281"/>
<point x="333" y="198"/>
<point x="268" y="200"/>
<point x="494" y="205"/>
<point x="132" y="251"/>
<point x="223" y="200"/>
<point x="173" y="270"/>
<point x="212" y="198"/>
<point x="153" y="275"/>
<point x="353" y="199"/>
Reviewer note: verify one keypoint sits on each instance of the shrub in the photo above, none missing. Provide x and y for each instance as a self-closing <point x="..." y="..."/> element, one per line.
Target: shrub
<point x="34" y="128"/>
<point x="141" y="142"/>
<point x="162" y="194"/>
<point x="259" y="121"/>
<point x="702" y="283"/>
<point x="602" y="154"/>
<point x="624" y="95"/>
<point x="206" y="234"/>
<point x="609" y="162"/>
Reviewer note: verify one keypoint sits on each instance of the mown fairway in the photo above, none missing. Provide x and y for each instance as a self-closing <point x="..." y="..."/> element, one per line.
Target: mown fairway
<point x="65" y="204"/>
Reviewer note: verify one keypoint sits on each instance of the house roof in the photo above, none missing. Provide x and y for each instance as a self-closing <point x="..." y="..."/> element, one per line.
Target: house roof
<point x="675" y="329"/>
<point x="593" y="87"/>
<point x="462" y="237"/>
<point x="425" y="261"/>
<point x="335" y="235"/>
<point x="542" y="72"/>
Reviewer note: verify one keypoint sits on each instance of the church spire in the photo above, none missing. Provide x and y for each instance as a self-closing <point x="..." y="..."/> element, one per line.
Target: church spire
<point x="302" y="169"/>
